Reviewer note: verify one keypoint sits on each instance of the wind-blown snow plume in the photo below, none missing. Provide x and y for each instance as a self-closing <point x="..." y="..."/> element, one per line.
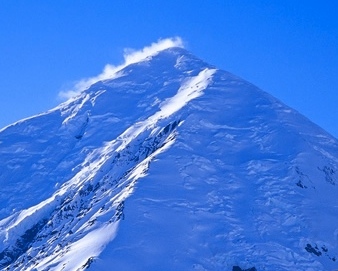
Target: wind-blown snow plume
<point x="130" y="56"/>
<point x="133" y="56"/>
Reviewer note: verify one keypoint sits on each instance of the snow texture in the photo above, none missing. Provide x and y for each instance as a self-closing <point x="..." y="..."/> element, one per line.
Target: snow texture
<point x="171" y="165"/>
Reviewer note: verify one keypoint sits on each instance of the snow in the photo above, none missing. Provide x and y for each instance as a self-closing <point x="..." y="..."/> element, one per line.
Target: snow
<point x="172" y="165"/>
<point x="131" y="56"/>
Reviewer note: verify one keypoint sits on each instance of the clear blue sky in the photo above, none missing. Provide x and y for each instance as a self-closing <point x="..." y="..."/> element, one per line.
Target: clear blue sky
<point x="287" y="48"/>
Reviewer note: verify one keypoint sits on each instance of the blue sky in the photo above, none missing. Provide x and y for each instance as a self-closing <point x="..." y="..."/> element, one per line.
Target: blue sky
<point x="287" y="48"/>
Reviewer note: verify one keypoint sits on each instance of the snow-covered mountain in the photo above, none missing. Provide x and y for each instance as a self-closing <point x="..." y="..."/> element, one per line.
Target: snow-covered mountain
<point x="172" y="164"/>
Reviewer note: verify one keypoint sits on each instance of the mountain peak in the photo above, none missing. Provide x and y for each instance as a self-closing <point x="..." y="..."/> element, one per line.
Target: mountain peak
<point x="172" y="57"/>
<point x="171" y="164"/>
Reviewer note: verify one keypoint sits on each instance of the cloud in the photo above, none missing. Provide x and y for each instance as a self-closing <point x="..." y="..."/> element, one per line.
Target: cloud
<point x="111" y="71"/>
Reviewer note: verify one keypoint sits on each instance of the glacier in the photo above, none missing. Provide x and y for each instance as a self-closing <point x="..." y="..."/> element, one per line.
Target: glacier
<point x="171" y="164"/>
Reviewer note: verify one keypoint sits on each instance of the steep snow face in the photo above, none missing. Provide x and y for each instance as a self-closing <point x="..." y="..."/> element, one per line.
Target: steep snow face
<point x="171" y="165"/>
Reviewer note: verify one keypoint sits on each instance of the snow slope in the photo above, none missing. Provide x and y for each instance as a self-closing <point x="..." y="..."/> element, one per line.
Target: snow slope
<point x="171" y="165"/>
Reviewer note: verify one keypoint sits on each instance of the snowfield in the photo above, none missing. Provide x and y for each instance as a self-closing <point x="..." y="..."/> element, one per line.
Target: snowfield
<point x="171" y="164"/>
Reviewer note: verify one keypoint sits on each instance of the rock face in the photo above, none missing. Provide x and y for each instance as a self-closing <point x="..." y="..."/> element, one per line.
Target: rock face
<point x="170" y="165"/>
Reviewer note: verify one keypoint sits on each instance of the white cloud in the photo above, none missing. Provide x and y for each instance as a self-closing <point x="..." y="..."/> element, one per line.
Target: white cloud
<point x="130" y="56"/>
